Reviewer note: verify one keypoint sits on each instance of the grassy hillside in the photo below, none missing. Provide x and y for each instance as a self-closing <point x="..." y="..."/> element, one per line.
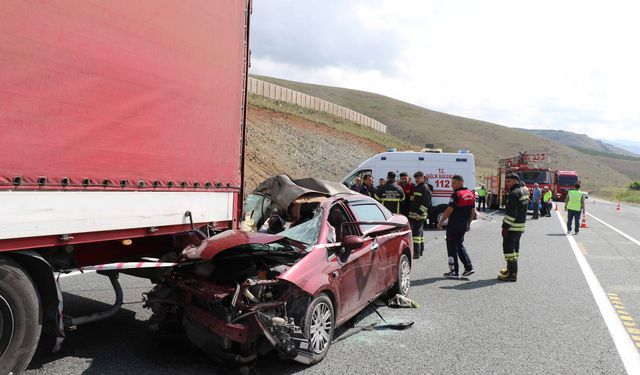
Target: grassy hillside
<point x="581" y="142"/>
<point x="489" y="142"/>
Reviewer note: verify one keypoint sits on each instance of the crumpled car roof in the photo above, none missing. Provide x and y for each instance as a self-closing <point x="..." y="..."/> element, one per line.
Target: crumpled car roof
<point x="284" y="191"/>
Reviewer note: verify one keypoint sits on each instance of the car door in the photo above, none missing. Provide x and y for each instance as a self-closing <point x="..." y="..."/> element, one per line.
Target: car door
<point x="384" y="257"/>
<point x="357" y="276"/>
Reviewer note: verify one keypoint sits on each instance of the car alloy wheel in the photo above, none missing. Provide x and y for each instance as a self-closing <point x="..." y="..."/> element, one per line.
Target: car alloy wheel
<point x="405" y="275"/>
<point x="321" y="327"/>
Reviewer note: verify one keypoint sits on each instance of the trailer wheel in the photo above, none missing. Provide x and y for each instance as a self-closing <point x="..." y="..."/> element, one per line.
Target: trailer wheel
<point x="493" y="202"/>
<point x="20" y="318"/>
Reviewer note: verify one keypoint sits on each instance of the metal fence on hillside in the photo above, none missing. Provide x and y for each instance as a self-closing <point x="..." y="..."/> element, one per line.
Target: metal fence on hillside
<point x="284" y="94"/>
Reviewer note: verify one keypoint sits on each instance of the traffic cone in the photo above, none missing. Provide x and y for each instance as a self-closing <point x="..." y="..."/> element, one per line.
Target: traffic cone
<point x="618" y="208"/>
<point x="584" y="224"/>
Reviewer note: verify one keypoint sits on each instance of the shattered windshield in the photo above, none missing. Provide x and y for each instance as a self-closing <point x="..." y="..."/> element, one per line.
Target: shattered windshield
<point x="307" y="232"/>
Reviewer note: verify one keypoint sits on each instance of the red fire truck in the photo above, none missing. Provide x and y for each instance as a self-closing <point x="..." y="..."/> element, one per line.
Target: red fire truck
<point x="532" y="168"/>
<point x="565" y="181"/>
<point x="123" y="132"/>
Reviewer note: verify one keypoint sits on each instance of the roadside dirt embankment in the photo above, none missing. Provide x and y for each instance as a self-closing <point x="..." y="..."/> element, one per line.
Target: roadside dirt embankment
<point x="283" y="143"/>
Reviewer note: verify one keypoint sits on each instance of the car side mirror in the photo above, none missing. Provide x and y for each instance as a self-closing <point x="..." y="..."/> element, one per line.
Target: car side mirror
<point x="352" y="242"/>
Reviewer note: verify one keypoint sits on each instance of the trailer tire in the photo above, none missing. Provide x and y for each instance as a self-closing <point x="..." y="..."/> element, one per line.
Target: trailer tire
<point x="20" y="318"/>
<point x="493" y="202"/>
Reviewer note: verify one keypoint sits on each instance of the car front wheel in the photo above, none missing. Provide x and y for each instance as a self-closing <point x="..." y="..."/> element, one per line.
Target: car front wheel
<point x="404" y="277"/>
<point x="319" y="324"/>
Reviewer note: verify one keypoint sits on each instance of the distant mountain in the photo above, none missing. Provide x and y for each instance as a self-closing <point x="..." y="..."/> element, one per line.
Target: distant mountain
<point x="627" y="145"/>
<point x="583" y="142"/>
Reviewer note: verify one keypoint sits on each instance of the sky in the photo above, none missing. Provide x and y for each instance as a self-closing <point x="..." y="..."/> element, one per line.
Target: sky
<point x="566" y="65"/>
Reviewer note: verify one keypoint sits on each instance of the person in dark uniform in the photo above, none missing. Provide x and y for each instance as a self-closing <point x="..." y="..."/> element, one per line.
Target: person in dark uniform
<point x="420" y="202"/>
<point x="390" y="194"/>
<point x="460" y="212"/>
<point x="367" y="186"/>
<point x="515" y="216"/>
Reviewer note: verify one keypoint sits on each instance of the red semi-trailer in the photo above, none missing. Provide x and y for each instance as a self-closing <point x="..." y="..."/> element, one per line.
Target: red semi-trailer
<point x="122" y="130"/>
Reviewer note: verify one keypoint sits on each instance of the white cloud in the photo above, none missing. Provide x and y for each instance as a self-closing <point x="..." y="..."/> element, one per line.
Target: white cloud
<point x="569" y="65"/>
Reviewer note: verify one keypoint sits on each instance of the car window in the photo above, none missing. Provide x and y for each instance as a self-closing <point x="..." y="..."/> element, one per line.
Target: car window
<point x="337" y="216"/>
<point x="368" y="212"/>
<point x="352" y="179"/>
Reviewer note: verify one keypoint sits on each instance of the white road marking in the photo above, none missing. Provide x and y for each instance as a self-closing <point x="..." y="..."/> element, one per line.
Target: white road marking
<point x="73" y="273"/>
<point x="626" y="348"/>
<point x="617" y="230"/>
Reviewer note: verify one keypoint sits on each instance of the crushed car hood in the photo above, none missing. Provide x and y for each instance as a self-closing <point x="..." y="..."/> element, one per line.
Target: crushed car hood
<point x="227" y="240"/>
<point x="283" y="191"/>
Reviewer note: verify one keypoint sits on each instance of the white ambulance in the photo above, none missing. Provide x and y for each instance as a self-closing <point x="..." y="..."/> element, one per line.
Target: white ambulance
<point x="438" y="167"/>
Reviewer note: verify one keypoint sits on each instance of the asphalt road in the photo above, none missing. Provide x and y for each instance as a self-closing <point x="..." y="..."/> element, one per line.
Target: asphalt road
<point x="548" y="322"/>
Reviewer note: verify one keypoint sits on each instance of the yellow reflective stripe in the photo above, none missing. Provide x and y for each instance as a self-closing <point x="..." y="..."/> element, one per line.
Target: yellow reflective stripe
<point x="376" y="197"/>
<point x="417" y="194"/>
<point x="524" y="198"/>
<point x="518" y="225"/>
<point x="391" y="200"/>
<point x="511" y="256"/>
<point x="516" y="229"/>
<point x="423" y="208"/>
<point x="509" y="217"/>
<point x="418" y="239"/>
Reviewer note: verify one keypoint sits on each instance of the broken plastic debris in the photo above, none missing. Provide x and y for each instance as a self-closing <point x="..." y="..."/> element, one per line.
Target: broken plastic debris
<point x="401" y="301"/>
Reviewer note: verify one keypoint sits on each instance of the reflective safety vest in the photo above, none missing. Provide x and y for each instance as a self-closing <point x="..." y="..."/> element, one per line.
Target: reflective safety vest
<point x="574" y="199"/>
<point x="391" y="196"/>
<point x="482" y="192"/>
<point x="547" y="197"/>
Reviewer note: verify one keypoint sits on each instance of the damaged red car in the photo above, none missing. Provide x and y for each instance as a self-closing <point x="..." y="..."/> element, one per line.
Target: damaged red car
<point x="322" y="254"/>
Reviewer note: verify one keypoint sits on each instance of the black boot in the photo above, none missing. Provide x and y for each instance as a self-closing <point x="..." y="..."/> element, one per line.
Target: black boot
<point x="512" y="272"/>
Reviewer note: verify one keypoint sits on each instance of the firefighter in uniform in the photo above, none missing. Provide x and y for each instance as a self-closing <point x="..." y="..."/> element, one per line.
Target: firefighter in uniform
<point x="390" y="194"/>
<point x="513" y="225"/>
<point x="460" y="213"/>
<point x="420" y="203"/>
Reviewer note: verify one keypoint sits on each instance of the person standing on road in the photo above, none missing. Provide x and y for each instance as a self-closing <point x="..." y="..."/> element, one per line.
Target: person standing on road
<point x="381" y="183"/>
<point x="574" y="205"/>
<point x="546" y="202"/>
<point x="513" y="224"/>
<point x="460" y="212"/>
<point x="537" y="195"/>
<point x="420" y="202"/>
<point x="482" y="198"/>
<point x="407" y="186"/>
<point x="367" y="186"/>
<point x="390" y="194"/>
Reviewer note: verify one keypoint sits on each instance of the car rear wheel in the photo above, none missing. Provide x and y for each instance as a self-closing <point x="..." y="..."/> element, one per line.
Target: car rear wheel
<point x="319" y="324"/>
<point x="404" y="277"/>
<point x="20" y="323"/>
